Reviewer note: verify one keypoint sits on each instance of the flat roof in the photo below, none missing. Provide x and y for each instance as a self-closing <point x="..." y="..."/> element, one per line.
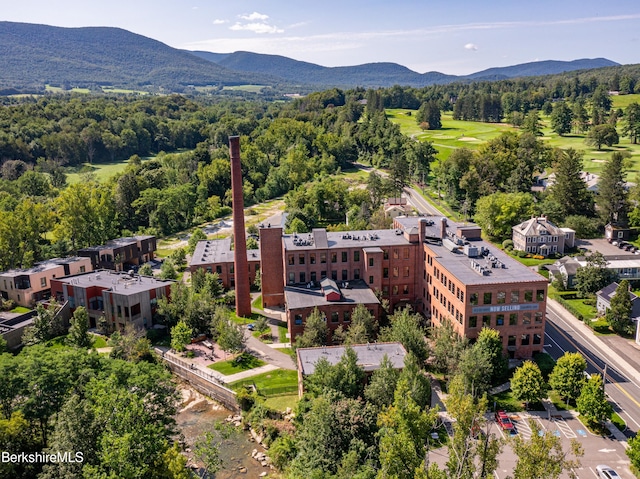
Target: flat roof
<point x="218" y="251"/>
<point x="369" y="355"/>
<point x="118" y="242"/>
<point x="356" y="292"/>
<point x="117" y="282"/>
<point x="322" y="239"/>
<point x="498" y="266"/>
<point x="44" y="266"/>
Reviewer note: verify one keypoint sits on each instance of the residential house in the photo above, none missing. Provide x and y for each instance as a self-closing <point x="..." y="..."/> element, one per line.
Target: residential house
<point x="122" y="298"/>
<point x="604" y="296"/>
<point x="121" y="254"/>
<point x="539" y="236"/>
<point x="28" y="286"/>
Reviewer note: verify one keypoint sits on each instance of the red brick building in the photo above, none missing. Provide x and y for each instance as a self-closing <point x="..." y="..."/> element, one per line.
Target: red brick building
<point x="441" y="269"/>
<point x="216" y="256"/>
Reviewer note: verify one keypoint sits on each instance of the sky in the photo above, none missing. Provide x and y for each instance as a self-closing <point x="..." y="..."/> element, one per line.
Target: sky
<point x="453" y="37"/>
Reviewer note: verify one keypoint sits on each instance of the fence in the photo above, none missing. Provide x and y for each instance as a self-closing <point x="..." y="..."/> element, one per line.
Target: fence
<point x="203" y="381"/>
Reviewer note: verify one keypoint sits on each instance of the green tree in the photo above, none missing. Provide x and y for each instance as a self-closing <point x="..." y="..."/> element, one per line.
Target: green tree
<point x="418" y="383"/>
<point x="381" y="386"/>
<point x="631" y="127"/>
<point x="532" y="123"/>
<point x="46" y="325"/>
<point x="592" y="403"/>
<point x="404" y="429"/>
<point x="569" y="184"/>
<point x="542" y="456"/>
<point x="527" y="383"/>
<point x="207" y="449"/>
<point x="315" y="331"/>
<point x="406" y="328"/>
<point x="448" y="347"/>
<point x="230" y="336"/>
<point x="196" y="235"/>
<point x="599" y="135"/>
<point x="561" y="118"/>
<point x="498" y="212"/>
<point x="429" y="114"/>
<point x="567" y="377"/>
<point x="168" y="270"/>
<point x="619" y="314"/>
<point x="489" y="343"/>
<point x="180" y="335"/>
<point x="145" y="270"/>
<point x="633" y="452"/>
<point x="594" y="275"/>
<point x="78" y="335"/>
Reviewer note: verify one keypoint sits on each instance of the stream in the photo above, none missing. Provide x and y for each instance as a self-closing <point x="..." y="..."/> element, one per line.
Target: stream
<point x="198" y="415"/>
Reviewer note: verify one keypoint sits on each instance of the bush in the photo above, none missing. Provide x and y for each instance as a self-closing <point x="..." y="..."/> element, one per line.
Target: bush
<point x="245" y="399"/>
<point x="521" y="254"/>
<point x="507" y="244"/>
<point x="545" y="362"/>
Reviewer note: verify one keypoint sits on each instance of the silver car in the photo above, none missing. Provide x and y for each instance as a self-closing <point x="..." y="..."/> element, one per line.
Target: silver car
<point x="605" y="472"/>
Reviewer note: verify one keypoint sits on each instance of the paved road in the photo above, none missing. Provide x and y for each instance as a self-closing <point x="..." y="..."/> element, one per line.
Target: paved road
<point x="623" y="382"/>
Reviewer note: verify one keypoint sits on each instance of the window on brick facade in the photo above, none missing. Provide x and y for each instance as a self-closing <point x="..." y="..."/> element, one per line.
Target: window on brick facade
<point x="370" y="262"/>
<point x="538" y="317"/>
<point x="345" y="275"/>
<point x="501" y="297"/>
<point x="487" y="298"/>
<point x="499" y="319"/>
<point x="524" y="340"/>
<point x="334" y="275"/>
<point x="385" y="272"/>
<point x="513" y="319"/>
<point x="537" y="339"/>
<point x="292" y="277"/>
<point x="396" y="271"/>
<point x="323" y="274"/>
<point x="396" y="253"/>
<point x="298" y="319"/>
<point x="303" y="277"/>
<point x="405" y="253"/>
<point x="232" y="269"/>
<point x="473" y="321"/>
<point x="486" y="320"/>
<point x="334" y="317"/>
<point x="300" y="259"/>
<point x="405" y="289"/>
<point x="312" y="258"/>
<point x="515" y="297"/>
<point x="356" y="256"/>
<point x="334" y="257"/>
<point x="385" y="254"/>
<point x="473" y="298"/>
<point x="395" y="289"/>
<point x="406" y="271"/>
<point x="346" y="316"/>
<point x="345" y="256"/>
<point x="540" y="295"/>
<point x="511" y="340"/>
<point x="528" y="296"/>
<point x="323" y="258"/>
<point x="385" y="290"/>
<point x="526" y="318"/>
<point x="370" y="279"/>
<point x="313" y="276"/>
<point x="290" y="259"/>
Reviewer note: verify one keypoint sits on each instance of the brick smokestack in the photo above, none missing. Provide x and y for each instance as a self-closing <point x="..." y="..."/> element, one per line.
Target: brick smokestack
<point x="241" y="266"/>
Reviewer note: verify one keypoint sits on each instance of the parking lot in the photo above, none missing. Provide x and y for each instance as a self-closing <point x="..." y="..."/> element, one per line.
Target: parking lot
<point x="597" y="449"/>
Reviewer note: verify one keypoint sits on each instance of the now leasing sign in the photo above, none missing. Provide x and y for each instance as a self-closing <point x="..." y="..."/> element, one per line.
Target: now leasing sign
<point x="505" y="308"/>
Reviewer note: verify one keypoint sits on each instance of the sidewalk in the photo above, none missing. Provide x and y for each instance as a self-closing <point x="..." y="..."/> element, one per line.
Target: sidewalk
<point x="633" y="371"/>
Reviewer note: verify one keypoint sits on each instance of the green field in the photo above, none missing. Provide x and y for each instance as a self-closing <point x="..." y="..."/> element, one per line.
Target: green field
<point x="102" y="171"/>
<point x="273" y="383"/>
<point x="247" y="88"/>
<point x="57" y="89"/>
<point x="623" y="101"/>
<point x="244" y="362"/>
<point x="471" y="134"/>
<point x="108" y="89"/>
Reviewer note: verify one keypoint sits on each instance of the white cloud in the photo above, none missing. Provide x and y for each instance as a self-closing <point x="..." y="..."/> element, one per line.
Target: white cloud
<point x="471" y="46"/>
<point x="220" y="21"/>
<point x="256" y="28"/>
<point x="254" y="16"/>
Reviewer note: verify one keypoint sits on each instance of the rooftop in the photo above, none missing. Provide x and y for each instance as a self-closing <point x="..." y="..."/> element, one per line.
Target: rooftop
<point x="118" y="243"/>
<point x="322" y="239"/>
<point x="44" y="266"/>
<point x="471" y="261"/>
<point x="369" y="355"/>
<point x="353" y="292"/>
<point x="537" y="226"/>
<point x="119" y="282"/>
<point x="218" y="251"/>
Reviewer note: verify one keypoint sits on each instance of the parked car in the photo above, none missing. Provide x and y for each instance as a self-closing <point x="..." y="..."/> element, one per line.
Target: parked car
<point x="251" y="327"/>
<point x="504" y="422"/>
<point x="605" y="472"/>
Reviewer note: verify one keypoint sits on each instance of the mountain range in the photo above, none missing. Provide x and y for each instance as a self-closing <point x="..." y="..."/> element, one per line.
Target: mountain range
<point x="33" y="55"/>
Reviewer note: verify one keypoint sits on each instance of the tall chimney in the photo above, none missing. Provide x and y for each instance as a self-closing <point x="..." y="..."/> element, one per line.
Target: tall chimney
<point x="243" y="298"/>
<point x="443" y="228"/>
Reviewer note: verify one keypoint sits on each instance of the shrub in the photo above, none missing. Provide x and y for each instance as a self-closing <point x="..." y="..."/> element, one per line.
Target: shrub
<point x="507" y="244"/>
<point x="245" y="399"/>
<point x="521" y="254"/>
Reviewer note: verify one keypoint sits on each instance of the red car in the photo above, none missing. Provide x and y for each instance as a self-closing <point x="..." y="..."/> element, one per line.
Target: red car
<point x="504" y="422"/>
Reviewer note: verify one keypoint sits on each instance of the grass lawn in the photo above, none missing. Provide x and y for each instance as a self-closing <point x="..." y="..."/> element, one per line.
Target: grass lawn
<point x="281" y="403"/>
<point x="506" y="402"/>
<point x="257" y="303"/>
<point x="272" y="383"/>
<point x="471" y="134"/>
<point x="58" y="343"/>
<point x="238" y="320"/>
<point x="618" y="422"/>
<point x="98" y="342"/>
<point x="20" y="309"/>
<point x="233" y="366"/>
<point x="282" y="333"/>
<point x="559" y="402"/>
<point x="532" y="261"/>
<point x="579" y="305"/>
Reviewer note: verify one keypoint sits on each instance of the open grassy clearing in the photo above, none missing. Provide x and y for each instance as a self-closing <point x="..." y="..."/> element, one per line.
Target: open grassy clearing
<point x="470" y="134"/>
<point x="57" y="89"/>
<point x="623" y="101"/>
<point x="282" y="402"/>
<point x="243" y="362"/>
<point x="108" y="89"/>
<point x="247" y="88"/>
<point x="272" y="383"/>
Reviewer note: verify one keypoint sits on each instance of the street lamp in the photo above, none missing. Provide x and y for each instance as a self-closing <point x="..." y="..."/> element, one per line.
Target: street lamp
<point x="637" y="320"/>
